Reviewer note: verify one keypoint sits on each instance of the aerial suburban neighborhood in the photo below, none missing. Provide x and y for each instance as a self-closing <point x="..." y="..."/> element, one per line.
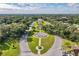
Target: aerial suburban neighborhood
<point x="50" y="34"/>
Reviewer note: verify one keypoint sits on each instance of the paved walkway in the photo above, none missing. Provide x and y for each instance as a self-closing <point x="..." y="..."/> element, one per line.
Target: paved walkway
<point x="55" y="50"/>
<point x="24" y="49"/>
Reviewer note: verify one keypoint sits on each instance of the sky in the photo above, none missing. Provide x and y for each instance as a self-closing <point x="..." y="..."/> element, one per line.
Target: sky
<point x="39" y="8"/>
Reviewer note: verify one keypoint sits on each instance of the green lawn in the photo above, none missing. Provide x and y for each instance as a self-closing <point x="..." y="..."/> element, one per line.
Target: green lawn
<point x="35" y="24"/>
<point x="45" y="42"/>
<point x="10" y="47"/>
<point x="66" y="44"/>
<point x="33" y="42"/>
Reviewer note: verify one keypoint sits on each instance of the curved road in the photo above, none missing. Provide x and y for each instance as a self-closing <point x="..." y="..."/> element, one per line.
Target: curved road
<point x="24" y="49"/>
<point x="55" y="50"/>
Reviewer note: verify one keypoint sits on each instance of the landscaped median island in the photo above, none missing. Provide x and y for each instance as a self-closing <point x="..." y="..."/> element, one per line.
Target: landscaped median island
<point x="46" y="42"/>
<point x="33" y="42"/>
<point x="39" y="41"/>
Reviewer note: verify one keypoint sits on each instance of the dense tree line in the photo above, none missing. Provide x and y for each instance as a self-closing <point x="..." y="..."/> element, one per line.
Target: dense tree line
<point x="72" y="19"/>
<point x="13" y="26"/>
<point x="65" y="30"/>
<point x="63" y="25"/>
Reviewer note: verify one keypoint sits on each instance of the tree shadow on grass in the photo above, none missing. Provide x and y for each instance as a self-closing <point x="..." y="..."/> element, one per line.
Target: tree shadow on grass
<point x="29" y="39"/>
<point x="4" y="46"/>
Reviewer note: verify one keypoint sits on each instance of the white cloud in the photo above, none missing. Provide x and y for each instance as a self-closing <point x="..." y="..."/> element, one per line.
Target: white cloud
<point x="37" y="9"/>
<point x="21" y="6"/>
<point x="71" y="4"/>
<point x="74" y="5"/>
<point x="8" y="6"/>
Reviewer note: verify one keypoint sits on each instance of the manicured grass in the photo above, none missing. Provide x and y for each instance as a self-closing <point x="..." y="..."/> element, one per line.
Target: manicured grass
<point x="33" y="42"/>
<point x="67" y="44"/>
<point x="44" y="23"/>
<point x="47" y="43"/>
<point x="8" y="49"/>
<point x="35" y="24"/>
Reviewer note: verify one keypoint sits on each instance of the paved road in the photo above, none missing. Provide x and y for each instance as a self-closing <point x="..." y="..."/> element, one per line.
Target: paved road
<point x="24" y="49"/>
<point x="55" y="50"/>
